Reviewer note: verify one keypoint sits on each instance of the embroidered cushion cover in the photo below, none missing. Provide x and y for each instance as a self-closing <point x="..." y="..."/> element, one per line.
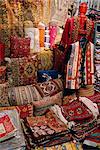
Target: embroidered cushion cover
<point x="43" y="75"/>
<point x="7" y="128"/>
<point x="22" y="95"/>
<point x="20" y="47"/>
<point x="51" y="92"/>
<point x="18" y="139"/>
<point x="50" y="87"/>
<point x="23" y="70"/>
<point x="41" y="95"/>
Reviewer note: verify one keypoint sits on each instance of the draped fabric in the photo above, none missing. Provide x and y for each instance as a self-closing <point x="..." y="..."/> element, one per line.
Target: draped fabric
<point x="71" y="30"/>
<point x="94" y="4"/>
<point x="46" y="11"/>
<point x="73" y="75"/>
<point x="61" y="10"/>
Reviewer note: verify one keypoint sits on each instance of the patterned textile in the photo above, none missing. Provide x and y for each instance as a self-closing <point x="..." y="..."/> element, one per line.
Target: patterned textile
<point x="18" y="140"/>
<point x="4" y="29"/>
<point x="4" y="94"/>
<point x="44" y="75"/>
<point x="2" y="74"/>
<point x="95" y="5"/>
<point x="23" y="70"/>
<point x="66" y="146"/>
<point x="53" y="34"/>
<point x="83" y="129"/>
<point x="84" y="123"/>
<point x="68" y="99"/>
<point x="47" y="38"/>
<point x="23" y="95"/>
<point x="24" y="110"/>
<point x="73" y="25"/>
<point x="50" y="87"/>
<point x="46" y="11"/>
<point x="33" y="34"/>
<point x="42" y="133"/>
<point x="21" y="148"/>
<point x="36" y="40"/>
<point x="97" y="64"/>
<point x="58" y="59"/>
<point x="62" y="9"/>
<point x="29" y="32"/>
<point x="41" y="27"/>
<point x="41" y="106"/>
<point x="54" y="122"/>
<point x="90" y="105"/>
<point x="39" y="127"/>
<point x="45" y="59"/>
<point x="2" y="52"/>
<point x="87" y="91"/>
<point x="95" y="98"/>
<point x="75" y="110"/>
<point x="94" y="138"/>
<point x="73" y="75"/>
<point x="20" y="47"/>
<point x="41" y="37"/>
<point x="37" y="10"/>
<point x="7" y="129"/>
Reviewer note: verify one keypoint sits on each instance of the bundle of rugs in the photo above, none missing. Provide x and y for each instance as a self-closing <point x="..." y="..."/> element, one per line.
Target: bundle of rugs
<point x="73" y="121"/>
<point x="39" y="117"/>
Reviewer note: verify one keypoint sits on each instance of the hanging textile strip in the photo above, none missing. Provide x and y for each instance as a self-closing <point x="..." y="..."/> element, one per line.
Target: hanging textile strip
<point x="46" y="11"/>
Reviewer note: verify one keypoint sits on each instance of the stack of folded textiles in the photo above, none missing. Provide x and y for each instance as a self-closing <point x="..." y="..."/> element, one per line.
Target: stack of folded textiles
<point x="45" y="131"/>
<point x="53" y="129"/>
<point x="93" y="139"/>
<point x="11" y="135"/>
<point x="84" y="121"/>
